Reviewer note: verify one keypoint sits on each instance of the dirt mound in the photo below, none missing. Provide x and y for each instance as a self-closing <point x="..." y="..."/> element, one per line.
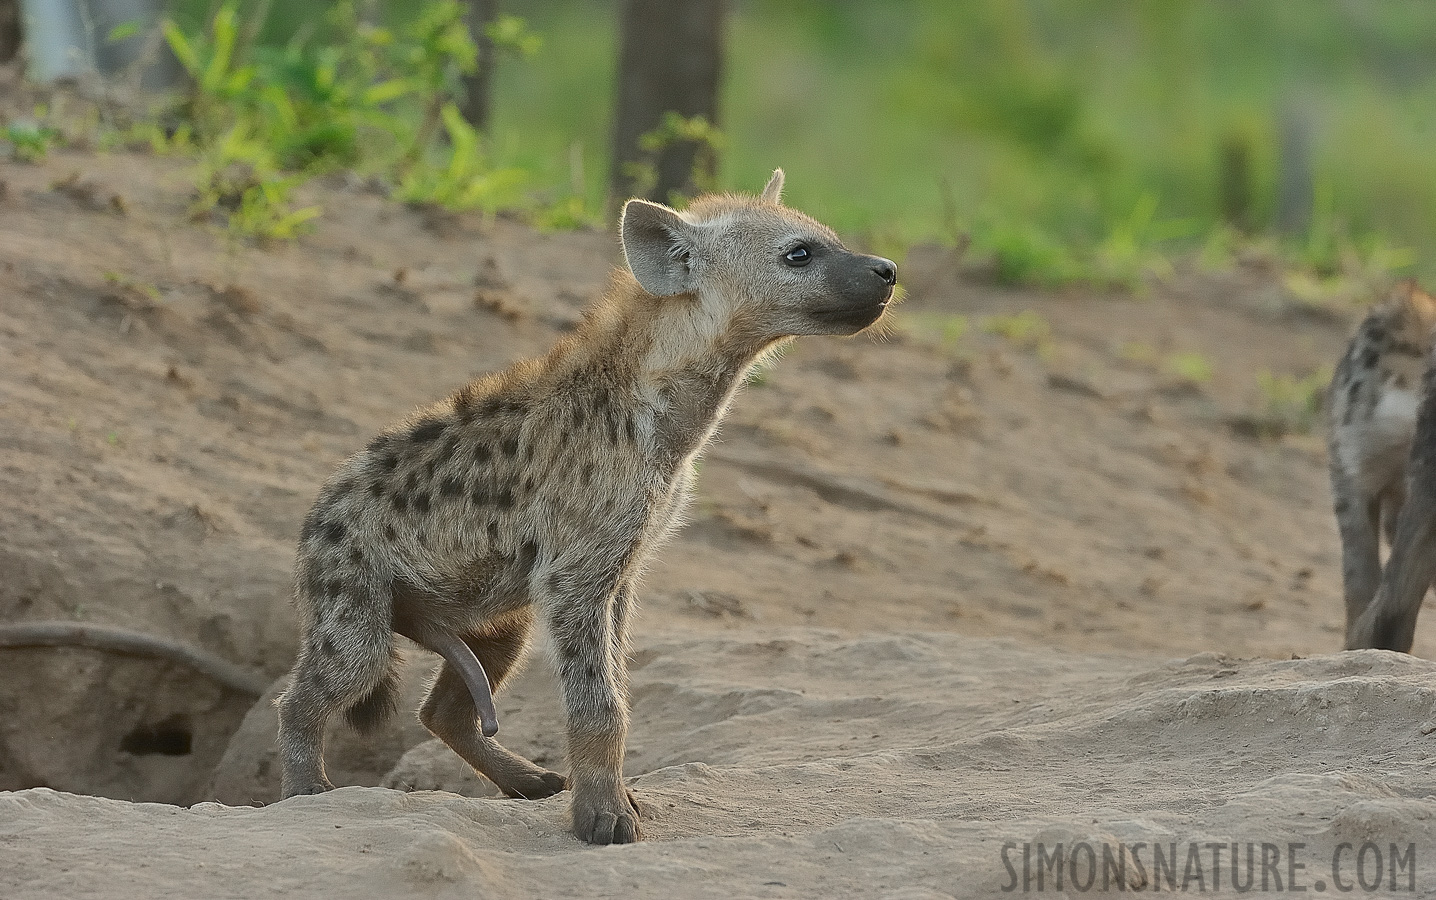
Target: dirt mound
<point x="809" y="763"/>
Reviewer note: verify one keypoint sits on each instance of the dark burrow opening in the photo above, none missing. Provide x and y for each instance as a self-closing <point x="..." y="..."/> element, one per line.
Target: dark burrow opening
<point x="170" y="737"/>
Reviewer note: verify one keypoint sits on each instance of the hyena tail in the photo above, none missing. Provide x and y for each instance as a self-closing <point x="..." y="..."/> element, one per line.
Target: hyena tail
<point x="375" y="708"/>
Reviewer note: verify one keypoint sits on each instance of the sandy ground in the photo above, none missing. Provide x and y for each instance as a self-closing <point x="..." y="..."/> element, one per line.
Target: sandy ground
<point x="938" y="593"/>
<point x="801" y="762"/>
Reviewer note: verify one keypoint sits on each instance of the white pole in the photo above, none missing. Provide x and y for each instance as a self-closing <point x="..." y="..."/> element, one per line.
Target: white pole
<point x="55" y="41"/>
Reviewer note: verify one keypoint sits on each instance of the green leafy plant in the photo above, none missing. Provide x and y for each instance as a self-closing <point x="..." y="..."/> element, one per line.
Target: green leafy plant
<point x="122" y="32"/>
<point x="676" y="128"/>
<point x="1332" y="264"/>
<point x="265" y="211"/>
<point x="220" y="85"/>
<point x="513" y="34"/>
<point x="461" y="181"/>
<point x="29" y="142"/>
<point x="1024" y="254"/>
<point x="567" y="213"/>
<point x="673" y="130"/>
<point x="1128" y="255"/>
<point x="264" y="119"/>
<point x="238" y="179"/>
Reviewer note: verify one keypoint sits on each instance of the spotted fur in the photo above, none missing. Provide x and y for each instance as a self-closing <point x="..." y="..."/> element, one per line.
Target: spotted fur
<point x="544" y="489"/>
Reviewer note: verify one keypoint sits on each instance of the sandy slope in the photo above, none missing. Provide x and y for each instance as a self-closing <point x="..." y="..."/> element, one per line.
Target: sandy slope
<point x="805" y="709"/>
<point x="806" y="763"/>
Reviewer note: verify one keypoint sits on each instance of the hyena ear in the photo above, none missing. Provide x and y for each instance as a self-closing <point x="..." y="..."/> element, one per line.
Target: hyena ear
<point x="773" y="193"/>
<point x="658" y="246"/>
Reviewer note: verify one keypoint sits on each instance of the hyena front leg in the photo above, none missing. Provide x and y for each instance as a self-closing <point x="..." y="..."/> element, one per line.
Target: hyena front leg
<point x="624" y="600"/>
<point x="592" y="676"/>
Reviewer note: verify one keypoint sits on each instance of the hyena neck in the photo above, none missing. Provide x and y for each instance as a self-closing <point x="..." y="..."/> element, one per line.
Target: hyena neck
<point x="673" y="357"/>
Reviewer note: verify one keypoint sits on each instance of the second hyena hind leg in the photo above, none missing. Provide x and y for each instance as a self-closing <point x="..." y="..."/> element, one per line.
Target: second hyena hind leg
<point x="1391" y="502"/>
<point x="1358" y="519"/>
<point x="449" y="714"/>
<point x="1389" y="621"/>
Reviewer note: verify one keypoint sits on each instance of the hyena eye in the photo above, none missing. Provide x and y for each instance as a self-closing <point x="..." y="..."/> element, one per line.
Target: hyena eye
<point x="798" y="256"/>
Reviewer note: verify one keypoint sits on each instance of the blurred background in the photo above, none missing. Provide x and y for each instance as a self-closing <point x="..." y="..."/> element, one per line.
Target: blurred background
<point x="1058" y="141"/>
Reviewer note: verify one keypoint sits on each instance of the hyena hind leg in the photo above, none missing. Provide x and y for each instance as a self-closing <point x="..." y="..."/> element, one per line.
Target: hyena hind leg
<point x="449" y="714"/>
<point x="353" y="672"/>
<point x="1358" y="519"/>
<point x="1391" y="502"/>
<point x="1389" y="621"/>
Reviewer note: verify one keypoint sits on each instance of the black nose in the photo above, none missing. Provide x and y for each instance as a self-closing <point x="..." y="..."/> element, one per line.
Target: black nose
<point x="886" y="269"/>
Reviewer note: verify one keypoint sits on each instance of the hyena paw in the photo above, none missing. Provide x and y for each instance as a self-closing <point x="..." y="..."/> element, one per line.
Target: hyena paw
<point x="606" y="818"/>
<point x="313" y="787"/>
<point x="535" y="786"/>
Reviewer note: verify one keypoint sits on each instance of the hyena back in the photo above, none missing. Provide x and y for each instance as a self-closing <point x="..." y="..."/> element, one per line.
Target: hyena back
<point x="543" y="489"/>
<point x="1378" y="478"/>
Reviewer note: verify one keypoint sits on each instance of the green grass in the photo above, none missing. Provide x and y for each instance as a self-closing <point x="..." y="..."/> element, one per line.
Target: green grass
<point x="946" y="331"/>
<point x="1292" y="403"/>
<point x="1189" y="366"/>
<point x="1024" y="329"/>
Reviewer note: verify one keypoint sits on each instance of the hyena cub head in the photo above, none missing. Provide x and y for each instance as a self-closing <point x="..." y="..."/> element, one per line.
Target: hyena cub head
<point x="754" y="261"/>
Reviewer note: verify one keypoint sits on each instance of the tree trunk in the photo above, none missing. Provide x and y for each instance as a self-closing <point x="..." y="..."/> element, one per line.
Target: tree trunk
<point x="9" y="30"/>
<point x="1294" y="187"/>
<point x="1234" y="168"/>
<point x="478" y="87"/>
<point x="670" y="61"/>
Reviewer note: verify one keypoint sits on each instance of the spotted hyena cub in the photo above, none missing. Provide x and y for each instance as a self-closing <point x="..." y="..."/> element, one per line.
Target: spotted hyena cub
<point x="1379" y="480"/>
<point x="543" y="490"/>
